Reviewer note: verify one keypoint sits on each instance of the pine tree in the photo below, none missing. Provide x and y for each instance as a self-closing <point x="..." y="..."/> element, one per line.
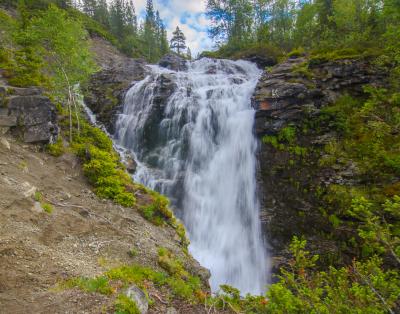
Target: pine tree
<point x="178" y="41"/>
<point x="189" y="54"/>
<point x="164" y="46"/>
<point x="149" y="34"/>
<point x="100" y="13"/>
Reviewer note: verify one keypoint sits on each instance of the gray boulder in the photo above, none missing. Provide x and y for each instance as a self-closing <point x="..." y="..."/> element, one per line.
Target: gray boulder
<point x="138" y="296"/>
<point x="33" y="118"/>
<point x="173" y="62"/>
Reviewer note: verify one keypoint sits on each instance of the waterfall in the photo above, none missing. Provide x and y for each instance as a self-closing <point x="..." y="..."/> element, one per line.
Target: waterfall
<point x="192" y="135"/>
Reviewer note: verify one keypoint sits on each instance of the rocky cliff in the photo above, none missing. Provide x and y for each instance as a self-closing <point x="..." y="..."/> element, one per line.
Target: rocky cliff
<point x="27" y="114"/>
<point x="289" y="100"/>
<point x="106" y="90"/>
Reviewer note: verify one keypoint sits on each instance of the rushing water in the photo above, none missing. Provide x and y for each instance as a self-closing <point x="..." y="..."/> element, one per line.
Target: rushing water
<point x="192" y="135"/>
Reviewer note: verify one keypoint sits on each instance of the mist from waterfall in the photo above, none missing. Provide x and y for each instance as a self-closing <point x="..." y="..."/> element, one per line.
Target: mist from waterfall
<point x="198" y="148"/>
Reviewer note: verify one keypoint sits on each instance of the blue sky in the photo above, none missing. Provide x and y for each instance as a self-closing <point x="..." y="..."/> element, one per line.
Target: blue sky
<point x="188" y="15"/>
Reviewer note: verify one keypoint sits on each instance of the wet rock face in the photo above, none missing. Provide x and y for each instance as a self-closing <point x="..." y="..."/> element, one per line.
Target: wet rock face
<point x="293" y="94"/>
<point x="105" y="93"/>
<point x="290" y="90"/>
<point x="165" y="86"/>
<point x="173" y="62"/>
<point x="28" y="114"/>
<point x="261" y="61"/>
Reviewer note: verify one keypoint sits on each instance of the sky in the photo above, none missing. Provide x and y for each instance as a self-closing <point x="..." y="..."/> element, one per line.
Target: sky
<point x="188" y="15"/>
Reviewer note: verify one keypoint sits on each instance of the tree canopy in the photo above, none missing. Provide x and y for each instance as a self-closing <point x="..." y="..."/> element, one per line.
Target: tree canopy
<point x="178" y="41"/>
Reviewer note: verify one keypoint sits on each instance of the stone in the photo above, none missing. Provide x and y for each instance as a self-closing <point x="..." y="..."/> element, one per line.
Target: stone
<point x="36" y="118"/>
<point x="5" y="143"/>
<point x="261" y="61"/>
<point x="28" y="91"/>
<point x="138" y="296"/>
<point x="6" y="118"/>
<point x="106" y="90"/>
<point x="171" y="310"/>
<point x="28" y="190"/>
<point x="173" y="62"/>
<point x="130" y="164"/>
<point x="37" y="208"/>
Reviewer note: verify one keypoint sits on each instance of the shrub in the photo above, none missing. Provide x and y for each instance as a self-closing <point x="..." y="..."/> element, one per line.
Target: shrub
<point x="99" y="284"/>
<point x="125" y="305"/>
<point x="48" y="208"/>
<point x="57" y="149"/>
<point x="295" y="53"/>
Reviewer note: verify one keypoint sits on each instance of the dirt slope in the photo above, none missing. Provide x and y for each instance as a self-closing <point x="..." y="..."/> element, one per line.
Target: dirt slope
<point x="38" y="250"/>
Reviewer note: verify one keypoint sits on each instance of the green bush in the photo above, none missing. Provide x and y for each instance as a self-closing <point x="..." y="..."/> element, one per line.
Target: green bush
<point x="295" y="53"/>
<point x="125" y="305"/>
<point x="99" y="284"/>
<point x="57" y="149"/>
<point x="158" y="211"/>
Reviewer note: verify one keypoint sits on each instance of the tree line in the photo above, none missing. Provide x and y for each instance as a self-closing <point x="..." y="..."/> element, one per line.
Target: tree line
<point x="117" y="21"/>
<point x="289" y="24"/>
<point x="147" y="39"/>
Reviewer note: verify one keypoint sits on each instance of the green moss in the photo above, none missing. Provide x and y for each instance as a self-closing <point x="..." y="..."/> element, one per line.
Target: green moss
<point x="38" y="197"/>
<point x="295" y="53"/>
<point x="48" y="208"/>
<point x="102" y="166"/>
<point x="180" y="284"/>
<point x="158" y="211"/>
<point x="57" y="149"/>
<point x="125" y="305"/>
<point x="171" y="264"/>
<point x="303" y="69"/>
<point x="99" y="284"/>
<point x="285" y="141"/>
<point x="321" y="56"/>
<point x="133" y="252"/>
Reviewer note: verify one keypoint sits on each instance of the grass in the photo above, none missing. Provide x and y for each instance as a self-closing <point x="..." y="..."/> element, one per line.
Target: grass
<point x="320" y="56"/>
<point x="125" y="305"/>
<point x="179" y="283"/>
<point x="48" y="208"/>
<point x="38" y="197"/>
<point x="56" y="149"/>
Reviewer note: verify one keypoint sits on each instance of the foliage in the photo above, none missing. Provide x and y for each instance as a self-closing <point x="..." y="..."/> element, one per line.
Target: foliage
<point x="316" y="24"/>
<point x="125" y="305"/>
<point x="185" y="287"/>
<point x="38" y="197"/>
<point x="229" y="298"/>
<point x="48" y="208"/>
<point x="102" y="166"/>
<point x="99" y="284"/>
<point x="37" y="55"/>
<point x="285" y="141"/>
<point x="379" y="226"/>
<point x="56" y="149"/>
<point x="363" y="287"/>
<point x="230" y="50"/>
<point x="178" y="41"/>
<point x="158" y="210"/>
<point x="115" y="20"/>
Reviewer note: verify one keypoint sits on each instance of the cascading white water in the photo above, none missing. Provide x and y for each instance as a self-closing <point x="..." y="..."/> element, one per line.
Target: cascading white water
<point x="192" y="134"/>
